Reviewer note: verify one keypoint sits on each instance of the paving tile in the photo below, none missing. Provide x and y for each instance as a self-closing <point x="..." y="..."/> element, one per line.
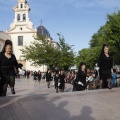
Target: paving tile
<point x="34" y="101"/>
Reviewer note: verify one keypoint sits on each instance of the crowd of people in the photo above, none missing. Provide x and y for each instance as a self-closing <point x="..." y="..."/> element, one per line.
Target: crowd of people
<point x="87" y="79"/>
<point x="82" y="79"/>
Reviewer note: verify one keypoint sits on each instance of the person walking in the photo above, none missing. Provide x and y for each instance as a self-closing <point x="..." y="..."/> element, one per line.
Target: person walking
<point x="39" y="76"/>
<point x="28" y="74"/>
<point x="62" y="81"/>
<point x="35" y="76"/>
<point x="105" y="65"/>
<point x="8" y="66"/>
<point x="24" y="73"/>
<point x="48" y="78"/>
<point x="56" y="79"/>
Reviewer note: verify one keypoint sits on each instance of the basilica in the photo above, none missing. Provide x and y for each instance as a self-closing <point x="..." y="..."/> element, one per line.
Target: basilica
<point x="22" y="33"/>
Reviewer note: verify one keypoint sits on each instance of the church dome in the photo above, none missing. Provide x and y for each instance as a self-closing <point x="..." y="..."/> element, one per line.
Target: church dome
<point x="41" y="30"/>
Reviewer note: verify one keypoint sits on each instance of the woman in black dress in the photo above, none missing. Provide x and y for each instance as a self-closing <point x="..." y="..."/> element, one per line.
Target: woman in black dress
<point x="35" y="76"/>
<point x="48" y="78"/>
<point x="105" y="65"/>
<point x="62" y="81"/>
<point x="80" y="82"/>
<point x="56" y="79"/>
<point x="28" y="74"/>
<point x="39" y="76"/>
<point x="8" y="65"/>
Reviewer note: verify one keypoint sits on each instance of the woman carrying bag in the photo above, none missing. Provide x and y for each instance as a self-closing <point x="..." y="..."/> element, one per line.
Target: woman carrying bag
<point x="80" y="82"/>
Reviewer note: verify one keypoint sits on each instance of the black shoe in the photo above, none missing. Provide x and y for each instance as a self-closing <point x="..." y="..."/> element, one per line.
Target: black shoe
<point x="13" y="91"/>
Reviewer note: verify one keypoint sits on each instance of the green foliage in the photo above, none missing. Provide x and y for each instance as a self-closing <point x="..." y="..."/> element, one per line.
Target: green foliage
<point x="42" y="52"/>
<point x="67" y="55"/>
<point x="108" y="34"/>
<point x="89" y="56"/>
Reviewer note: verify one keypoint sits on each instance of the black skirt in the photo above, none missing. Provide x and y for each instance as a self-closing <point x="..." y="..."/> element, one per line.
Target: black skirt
<point x="62" y="86"/>
<point x="105" y="74"/>
<point x="80" y="87"/>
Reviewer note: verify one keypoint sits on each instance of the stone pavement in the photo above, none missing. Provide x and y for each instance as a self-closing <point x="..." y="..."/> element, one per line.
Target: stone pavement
<point x="36" y="102"/>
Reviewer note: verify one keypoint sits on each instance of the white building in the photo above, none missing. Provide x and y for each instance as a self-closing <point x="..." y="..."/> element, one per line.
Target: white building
<point x="22" y="33"/>
<point x="3" y="36"/>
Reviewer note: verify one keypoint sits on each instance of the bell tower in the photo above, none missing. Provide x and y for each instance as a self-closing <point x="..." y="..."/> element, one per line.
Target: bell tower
<point x="21" y="11"/>
<point x="21" y="19"/>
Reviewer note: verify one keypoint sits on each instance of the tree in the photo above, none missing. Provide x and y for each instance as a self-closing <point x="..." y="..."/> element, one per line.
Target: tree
<point x="108" y="34"/>
<point x="41" y="52"/>
<point x="99" y="38"/>
<point x="113" y="29"/>
<point x="88" y="56"/>
<point x="67" y="55"/>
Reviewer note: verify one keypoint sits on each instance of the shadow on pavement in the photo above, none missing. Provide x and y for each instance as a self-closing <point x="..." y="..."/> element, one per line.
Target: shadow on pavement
<point x="85" y="114"/>
<point x="42" y="107"/>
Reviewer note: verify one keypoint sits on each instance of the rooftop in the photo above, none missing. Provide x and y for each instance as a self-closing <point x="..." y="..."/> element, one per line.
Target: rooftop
<point x="41" y="30"/>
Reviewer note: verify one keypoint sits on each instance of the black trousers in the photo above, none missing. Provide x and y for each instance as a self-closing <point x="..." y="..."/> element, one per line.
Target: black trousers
<point x="5" y="81"/>
<point x="105" y="83"/>
<point x="28" y="76"/>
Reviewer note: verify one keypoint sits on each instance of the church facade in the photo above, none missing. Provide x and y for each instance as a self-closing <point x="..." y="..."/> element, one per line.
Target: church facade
<point x="22" y="34"/>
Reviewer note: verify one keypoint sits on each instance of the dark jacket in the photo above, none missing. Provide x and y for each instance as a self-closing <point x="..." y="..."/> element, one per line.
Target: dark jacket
<point x="48" y="77"/>
<point x="105" y="64"/>
<point x="39" y="75"/>
<point x="35" y="75"/>
<point x="62" y="81"/>
<point x="56" y="79"/>
<point x="8" y="65"/>
<point x="81" y="77"/>
<point x="28" y="73"/>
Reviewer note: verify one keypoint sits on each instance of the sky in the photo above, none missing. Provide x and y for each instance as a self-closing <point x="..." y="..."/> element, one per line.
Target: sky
<point x="76" y="20"/>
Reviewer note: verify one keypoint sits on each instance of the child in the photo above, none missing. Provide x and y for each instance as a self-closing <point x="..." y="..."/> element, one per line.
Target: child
<point x="114" y="77"/>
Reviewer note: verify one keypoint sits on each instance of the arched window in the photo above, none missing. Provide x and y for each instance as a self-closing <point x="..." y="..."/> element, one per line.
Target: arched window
<point x="24" y="17"/>
<point x="21" y="5"/>
<point x="18" y="17"/>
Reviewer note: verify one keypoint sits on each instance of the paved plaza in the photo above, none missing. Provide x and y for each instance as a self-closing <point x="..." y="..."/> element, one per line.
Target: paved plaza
<point x="34" y="101"/>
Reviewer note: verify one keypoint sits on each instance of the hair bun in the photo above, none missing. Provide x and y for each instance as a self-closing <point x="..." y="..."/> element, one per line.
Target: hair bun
<point x="8" y="42"/>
